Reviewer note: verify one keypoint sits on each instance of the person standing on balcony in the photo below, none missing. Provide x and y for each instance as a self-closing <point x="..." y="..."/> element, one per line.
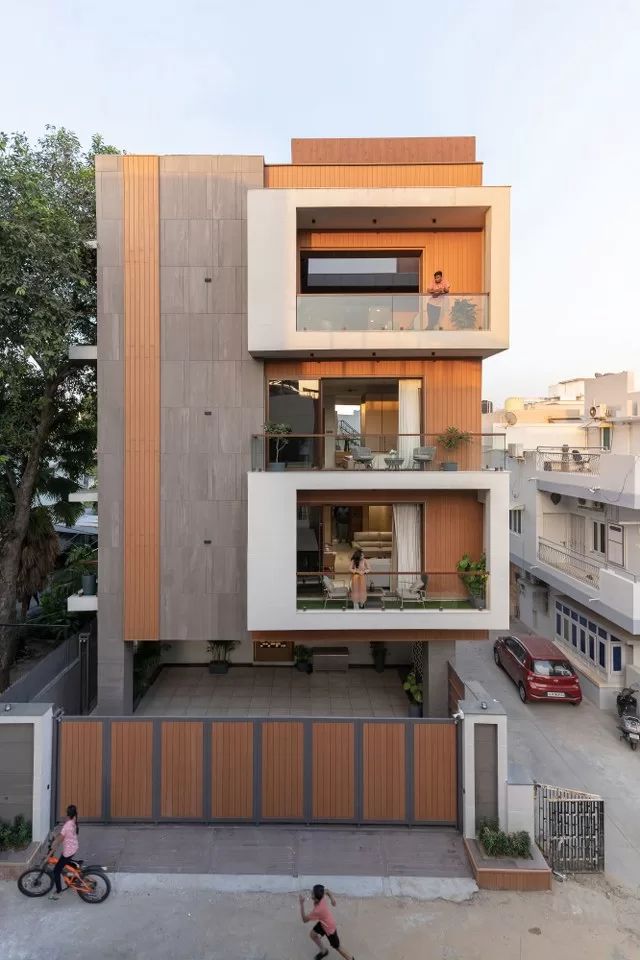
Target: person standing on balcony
<point x="359" y="570"/>
<point x="438" y="291"/>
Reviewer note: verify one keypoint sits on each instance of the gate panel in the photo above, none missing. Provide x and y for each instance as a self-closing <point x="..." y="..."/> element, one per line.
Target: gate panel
<point x="131" y="768"/>
<point x="282" y="770"/>
<point x="80" y="767"/>
<point x="181" y="769"/>
<point x="232" y="770"/>
<point x="333" y="777"/>
<point x="435" y="780"/>
<point x="384" y="771"/>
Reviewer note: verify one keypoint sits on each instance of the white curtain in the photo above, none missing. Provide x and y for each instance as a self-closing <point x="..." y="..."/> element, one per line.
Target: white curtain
<point x="408" y="419"/>
<point x="406" y="543"/>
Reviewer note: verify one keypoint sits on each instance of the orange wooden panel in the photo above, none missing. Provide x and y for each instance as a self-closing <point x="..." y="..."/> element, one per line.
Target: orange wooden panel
<point x="232" y="770"/>
<point x="383" y="771"/>
<point x="333" y="790"/>
<point x="362" y="175"/>
<point x="131" y="768"/>
<point x="454" y="525"/>
<point x="459" y="253"/>
<point x="80" y="780"/>
<point x="141" y="397"/>
<point x="435" y="782"/>
<point x="282" y="769"/>
<point x="382" y="149"/>
<point x="181" y="769"/>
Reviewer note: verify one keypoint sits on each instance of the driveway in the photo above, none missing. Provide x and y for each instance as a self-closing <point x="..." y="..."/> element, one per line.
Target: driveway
<point x="575" y="747"/>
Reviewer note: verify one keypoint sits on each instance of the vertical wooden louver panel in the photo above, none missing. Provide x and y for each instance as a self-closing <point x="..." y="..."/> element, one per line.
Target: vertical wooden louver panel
<point x="142" y="397"/>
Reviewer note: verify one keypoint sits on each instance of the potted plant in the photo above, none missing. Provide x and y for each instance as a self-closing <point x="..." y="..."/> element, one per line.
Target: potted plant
<point x="413" y="688"/>
<point x="302" y="656"/>
<point x="463" y="315"/>
<point x="220" y="651"/>
<point x="451" y="439"/>
<point x="474" y="575"/>
<point x="278" y="437"/>
<point x="81" y="560"/>
<point x="379" y="654"/>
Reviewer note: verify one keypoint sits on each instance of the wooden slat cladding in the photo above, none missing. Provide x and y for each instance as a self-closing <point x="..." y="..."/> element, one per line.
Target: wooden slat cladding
<point x="282" y="775"/>
<point x="131" y="769"/>
<point x="333" y="789"/>
<point x="142" y="397"/>
<point x="371" y="176"/>
<point x="181" y="770"/>
<point x="454" y="525"/>
<point x="383" y="149"/>
<point x="232" y="770"/>
<point x="383" y="771"/>
<point x="80" y="771"/>
<point x="435" y="782"/>
<point x="451" y="388"/>
<point x="459" y="253"/>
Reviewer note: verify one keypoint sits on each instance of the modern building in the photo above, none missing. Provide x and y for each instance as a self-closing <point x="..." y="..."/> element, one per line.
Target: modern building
<point x="574" y="523"/>
<point x="277" y="387"/>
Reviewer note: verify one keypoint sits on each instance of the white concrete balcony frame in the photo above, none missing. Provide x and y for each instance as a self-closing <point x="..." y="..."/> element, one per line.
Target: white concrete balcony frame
<point x="617" y="481"/>
<point x="272" y="552"/>
<point x="79" y="603"/>
<point x="275" y="216"/>
<point x="83" y="352"/>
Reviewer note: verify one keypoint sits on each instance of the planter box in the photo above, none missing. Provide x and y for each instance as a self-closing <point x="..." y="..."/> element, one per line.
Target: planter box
<point x="508" y="873"/>
<point x="273" y="654"/>
<point x="218" y="666"/>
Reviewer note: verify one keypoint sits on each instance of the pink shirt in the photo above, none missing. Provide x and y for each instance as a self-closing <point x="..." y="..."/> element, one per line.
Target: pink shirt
<point x="322" y="913"/>
<point x="69" y="839"/>
<point x="439" y="288"/>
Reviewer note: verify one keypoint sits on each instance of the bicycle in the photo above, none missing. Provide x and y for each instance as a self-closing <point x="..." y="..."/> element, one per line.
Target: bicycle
<point x="90" y="883"/>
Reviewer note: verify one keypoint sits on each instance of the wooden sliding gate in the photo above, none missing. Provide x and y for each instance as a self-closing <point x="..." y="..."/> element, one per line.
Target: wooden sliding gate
<point x="365" y="771"/>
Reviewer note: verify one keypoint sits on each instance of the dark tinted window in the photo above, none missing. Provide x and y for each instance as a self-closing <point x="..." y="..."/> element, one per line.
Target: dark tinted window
<point x="552" y="668"/>
<point x="360" y="273"/>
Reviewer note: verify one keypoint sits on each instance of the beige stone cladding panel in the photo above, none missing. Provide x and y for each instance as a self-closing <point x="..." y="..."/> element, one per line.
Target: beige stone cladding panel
<point x="112" y="654"/>
<point x="211" y="395"/>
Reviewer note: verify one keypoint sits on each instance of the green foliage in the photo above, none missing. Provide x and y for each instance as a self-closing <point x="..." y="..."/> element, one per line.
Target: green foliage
<point x="82" y="559"/>
<point x="474" y="574"/>
<point x="302" y="654"/>
<point x="497" y="843"/>
<point x="16" y="835"/>
<point x="452" y="437"/>
<point x="413" y="687"/>
<point x="220" y="650"/>
<point x="146" y="661"/>
<point x="278" y="432"/>
<point x="463" y="314"/>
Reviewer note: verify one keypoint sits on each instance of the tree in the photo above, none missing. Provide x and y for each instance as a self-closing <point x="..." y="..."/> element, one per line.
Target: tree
<point x="38" y="556"/>
<point x="47" y="301"/>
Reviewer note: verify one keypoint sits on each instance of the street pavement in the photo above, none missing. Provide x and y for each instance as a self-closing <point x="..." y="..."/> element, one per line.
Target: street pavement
<point x="575" y="747"/>
<point x="584" y="920"/>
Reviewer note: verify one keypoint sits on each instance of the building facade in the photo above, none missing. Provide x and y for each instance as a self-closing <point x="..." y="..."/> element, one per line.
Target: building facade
<point x="574" y="525"/>
<point x="277" y="387"/>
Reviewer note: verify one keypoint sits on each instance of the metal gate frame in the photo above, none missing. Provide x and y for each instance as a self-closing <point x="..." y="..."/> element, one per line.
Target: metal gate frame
<point x="257" y="817"/>
<point x="569" y="827"/>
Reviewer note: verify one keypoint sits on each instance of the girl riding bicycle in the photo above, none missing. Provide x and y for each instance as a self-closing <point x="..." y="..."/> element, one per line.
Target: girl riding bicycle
<point x="68" y="836"/>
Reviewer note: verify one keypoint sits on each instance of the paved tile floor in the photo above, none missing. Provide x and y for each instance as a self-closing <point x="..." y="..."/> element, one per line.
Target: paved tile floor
<point x="274" y="692"/>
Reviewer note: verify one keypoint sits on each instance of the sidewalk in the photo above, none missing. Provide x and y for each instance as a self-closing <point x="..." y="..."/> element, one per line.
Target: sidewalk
<point x="425" y="863"/>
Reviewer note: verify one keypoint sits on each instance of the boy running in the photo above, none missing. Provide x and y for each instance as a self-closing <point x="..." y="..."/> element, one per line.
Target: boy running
<point x="325" y="925"/>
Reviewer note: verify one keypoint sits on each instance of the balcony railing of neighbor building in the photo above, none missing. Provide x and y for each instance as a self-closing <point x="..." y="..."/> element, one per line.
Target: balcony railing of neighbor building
<point x="369" y="451"/>
<point x="388" y="589"/>
<point x="392" y="312"/>
<point x="573" y="564"/>
<point x="568" y="459"/>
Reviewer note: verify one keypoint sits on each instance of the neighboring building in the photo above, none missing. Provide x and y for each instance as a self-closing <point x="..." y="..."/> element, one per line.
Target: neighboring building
<point x="234" y="293"/>
<point x="575" y="527"/>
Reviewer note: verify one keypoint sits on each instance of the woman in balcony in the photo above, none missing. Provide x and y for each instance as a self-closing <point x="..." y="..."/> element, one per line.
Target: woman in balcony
<point x="359" y="570"/>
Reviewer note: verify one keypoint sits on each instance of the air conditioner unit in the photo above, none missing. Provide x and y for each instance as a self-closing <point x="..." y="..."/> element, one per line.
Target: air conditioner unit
<point x="598" y="411"/>
<point x="582" y="502"/>
<point x="515" y="450"/>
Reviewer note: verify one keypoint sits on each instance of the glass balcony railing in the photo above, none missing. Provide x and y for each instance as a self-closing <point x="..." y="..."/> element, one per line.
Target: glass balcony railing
<point x="335" y="451"/>
<point x="393" y="590"/>
<point x="392" y="312"/>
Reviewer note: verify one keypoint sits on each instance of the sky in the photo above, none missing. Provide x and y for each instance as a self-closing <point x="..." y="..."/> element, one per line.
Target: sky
<point x="549" y="89"/>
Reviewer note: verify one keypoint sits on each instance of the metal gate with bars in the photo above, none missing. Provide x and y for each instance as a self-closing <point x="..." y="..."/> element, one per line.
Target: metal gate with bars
<point x="569" y="828"/>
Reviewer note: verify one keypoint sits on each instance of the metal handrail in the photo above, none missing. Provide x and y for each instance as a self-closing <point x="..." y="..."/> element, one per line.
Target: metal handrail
<point x="576" y="565"/>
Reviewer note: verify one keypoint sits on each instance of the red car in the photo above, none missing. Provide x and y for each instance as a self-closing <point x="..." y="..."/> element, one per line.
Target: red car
<point x="538" y="668"/>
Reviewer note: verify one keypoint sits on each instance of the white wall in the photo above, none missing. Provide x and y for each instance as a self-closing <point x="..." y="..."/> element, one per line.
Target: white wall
<point x="192" y="652"/>
<point x="40" y="716"/>
<point x="272" y="273"/>
<point x="271" y="582"/>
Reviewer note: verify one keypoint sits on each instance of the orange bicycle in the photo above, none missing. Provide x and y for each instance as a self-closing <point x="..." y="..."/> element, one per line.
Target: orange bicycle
<point x="90" y="883"/>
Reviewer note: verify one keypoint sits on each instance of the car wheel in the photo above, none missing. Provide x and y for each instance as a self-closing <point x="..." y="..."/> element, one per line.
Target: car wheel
<point x="496" y="657"/>
<point x="522" y="692"/>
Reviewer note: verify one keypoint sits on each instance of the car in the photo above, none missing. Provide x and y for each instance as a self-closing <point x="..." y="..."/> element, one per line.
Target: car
<point x="538" y="668"/>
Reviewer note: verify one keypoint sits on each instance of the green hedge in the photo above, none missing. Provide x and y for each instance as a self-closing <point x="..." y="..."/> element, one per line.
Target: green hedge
<point x="14" y="836"/>
<point x="497" y="843"/>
